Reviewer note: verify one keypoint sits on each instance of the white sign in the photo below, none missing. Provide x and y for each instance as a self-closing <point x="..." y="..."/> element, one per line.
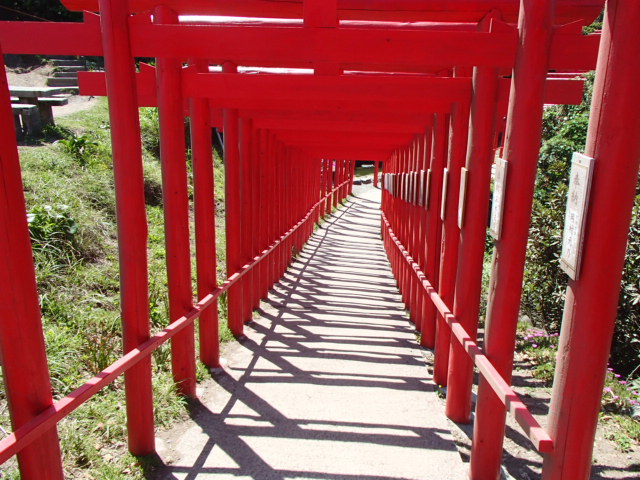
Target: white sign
<point x="445" y="184"/>
<point x="421" y="188"/>
<point x="427" y="189"/>
<point x="576" y="213"/>
<point x="499" y="184"/>
<point x="463" y="194"/>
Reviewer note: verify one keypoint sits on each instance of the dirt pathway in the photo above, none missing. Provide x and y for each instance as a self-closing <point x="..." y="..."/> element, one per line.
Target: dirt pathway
<point x="329" y="382"/>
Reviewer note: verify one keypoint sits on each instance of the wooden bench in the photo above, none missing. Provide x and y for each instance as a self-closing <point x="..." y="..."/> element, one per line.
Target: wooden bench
<point x="43" y="99"/>
<point x="26" y="118"/>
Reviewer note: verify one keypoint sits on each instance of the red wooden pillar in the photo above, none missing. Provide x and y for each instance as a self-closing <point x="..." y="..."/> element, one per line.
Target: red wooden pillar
<point x="438" y="160"/>
<point x="22" y="348"/>
<point x="263" y="154"/>
<point x="376" y="166"/>
<point x="352" y="174"/>
<point x="205" y="227"/>
<point x="473" y="234"/>
<point x="233" y="210"/>
<point x="176" y="210"/>
<point x="256" y="242"/>
<point x="323" y="184"/>
<point x="592" y="300"/>
<point x="450" y="235"/>
<point x="524" y="128"/>
<point x="246" y="215"/>
<point x="330" y="173"/>
<point x="337" y="177"/>
<point x="131" y="218"/>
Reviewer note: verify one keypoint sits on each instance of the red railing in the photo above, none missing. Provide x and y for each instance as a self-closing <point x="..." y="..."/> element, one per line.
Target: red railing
<point x="46" y="420"/>
<point x="538" y="436"/>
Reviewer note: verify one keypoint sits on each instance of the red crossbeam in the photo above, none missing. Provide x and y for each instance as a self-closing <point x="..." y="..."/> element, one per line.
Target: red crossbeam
<point x="402" y="10"/>
<point x="351" y="48"/>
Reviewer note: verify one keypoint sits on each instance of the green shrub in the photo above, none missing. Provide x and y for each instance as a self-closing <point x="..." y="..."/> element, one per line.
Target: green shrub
<point x="564" y="132"/>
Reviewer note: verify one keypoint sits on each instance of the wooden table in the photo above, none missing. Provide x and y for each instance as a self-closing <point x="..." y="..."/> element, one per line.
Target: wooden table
<point x="41" y="97"/>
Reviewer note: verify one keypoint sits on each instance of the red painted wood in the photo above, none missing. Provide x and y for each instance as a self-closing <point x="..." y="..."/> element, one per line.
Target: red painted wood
<point x="26" y="377"/>
<point x="404" y="10"/>
<point x="131" y="220"/>
<point x="205" y="229"/>
<point x="232" y="212"/>
<point x="175" y="200"/>
<point x="538" y="436"/>
<point x="450" y="237"/>
<point x="246" y="214"/>
<point x="438" y="161"/>
<point x="473" y="233"/>
<point x="591" y="301"/>
<point x="524" y="128"/>
<point x="45" y="421"/>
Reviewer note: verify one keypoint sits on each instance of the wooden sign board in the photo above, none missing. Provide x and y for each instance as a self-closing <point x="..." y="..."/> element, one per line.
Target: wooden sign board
<point x="576" y="213"/>
<point x="445" y="184"/>
<point x="463" y="194"/>
<point x="499" y="184"/>
<point x="421" y="188"/>
<point x="427" y="189"/>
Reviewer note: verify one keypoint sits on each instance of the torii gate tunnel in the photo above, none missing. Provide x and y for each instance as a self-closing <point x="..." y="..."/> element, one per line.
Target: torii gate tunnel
<point x="424" y="87"/>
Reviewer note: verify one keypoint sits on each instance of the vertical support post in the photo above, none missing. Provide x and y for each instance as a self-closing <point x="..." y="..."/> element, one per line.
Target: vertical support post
<point x="592" y="300"/>
<point x="205" y="228"/>
<point x="131" y="218"/>
<point x="22" y="348"/>
<point x="450" y="236"/>
<point x="524" y="128"/>
<point x="245" y="214"/>
<point x="376" y="167"/>
<point x="352" y="174"/>
<point x="473" y="233"/>
<point x="176" y="210"/>
<point x="232" y="211"/>
<point x="438" y="159"/>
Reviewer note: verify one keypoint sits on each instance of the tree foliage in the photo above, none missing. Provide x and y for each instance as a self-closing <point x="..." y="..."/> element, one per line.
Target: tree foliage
<point x="32" y="10"/>
<point x="565" y="132"/>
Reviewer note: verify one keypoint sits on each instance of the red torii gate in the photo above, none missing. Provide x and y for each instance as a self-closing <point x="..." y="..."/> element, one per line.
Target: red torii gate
<point x="256" y="130"/>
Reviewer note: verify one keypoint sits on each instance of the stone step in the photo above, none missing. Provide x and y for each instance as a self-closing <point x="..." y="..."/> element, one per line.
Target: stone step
<point x="58" y="62"/>
<point x="62" y="82"/>
<point x="71" y="68"/>
<point x="65" y="74"/>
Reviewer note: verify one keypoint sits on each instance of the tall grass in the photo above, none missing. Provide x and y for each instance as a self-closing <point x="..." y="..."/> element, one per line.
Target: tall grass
<point x="68" y="184"/>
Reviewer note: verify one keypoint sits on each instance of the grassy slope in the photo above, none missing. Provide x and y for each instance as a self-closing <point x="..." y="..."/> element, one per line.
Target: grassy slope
<point x="77" y="273"/>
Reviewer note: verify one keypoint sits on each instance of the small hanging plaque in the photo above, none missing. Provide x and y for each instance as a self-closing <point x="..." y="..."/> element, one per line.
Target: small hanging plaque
<point x="445" y="184"/>
<point x="499" y="184"/>
<point x="463" y="193"/>
<point x="576" y="213"/>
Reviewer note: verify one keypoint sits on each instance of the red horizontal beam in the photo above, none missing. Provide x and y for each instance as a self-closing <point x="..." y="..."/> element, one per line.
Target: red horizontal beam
<point x="399" y="10"/>
<point x="334" y="153"/>
<point x="350" y="48"/>
<point x="538" y="436"/>
<point x="315" y="124"/>
<point x="361" y="118"/>
<point x="335" y="137"/>
<point x="53" y="38"/>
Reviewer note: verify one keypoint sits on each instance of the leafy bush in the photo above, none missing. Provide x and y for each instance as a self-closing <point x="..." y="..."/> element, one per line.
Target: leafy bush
<point x="52" y="229"/>
<point x="80" y="147"/>
<point x="565" y="132"/>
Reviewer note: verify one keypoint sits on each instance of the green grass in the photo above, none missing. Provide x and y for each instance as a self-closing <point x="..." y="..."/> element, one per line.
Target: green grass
<point x="362" y="171"/>
<point x="68" y="184"/>
<point x="620" y="401"/>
